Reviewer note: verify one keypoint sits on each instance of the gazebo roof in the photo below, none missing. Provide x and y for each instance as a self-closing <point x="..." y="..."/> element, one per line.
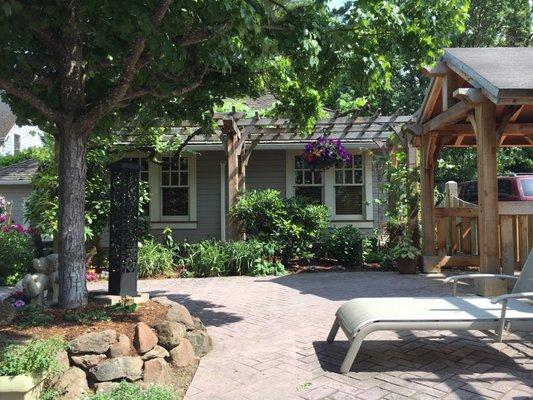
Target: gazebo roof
<point x="465" y="77"/>
<point x="504" y="74"/>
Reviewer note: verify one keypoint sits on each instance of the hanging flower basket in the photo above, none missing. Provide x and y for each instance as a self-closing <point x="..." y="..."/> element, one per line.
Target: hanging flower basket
<point x="324" y="153"/>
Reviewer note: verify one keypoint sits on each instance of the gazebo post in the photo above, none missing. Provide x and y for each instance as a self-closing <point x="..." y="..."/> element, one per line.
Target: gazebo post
<point x="487" y="147"/>
<point x="427" y="196"/>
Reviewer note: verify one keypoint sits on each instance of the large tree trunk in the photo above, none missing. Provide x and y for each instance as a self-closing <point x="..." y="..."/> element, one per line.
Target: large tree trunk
<point x="71" y="234"/>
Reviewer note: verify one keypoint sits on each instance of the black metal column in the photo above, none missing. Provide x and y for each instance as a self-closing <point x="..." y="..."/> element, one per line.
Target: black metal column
<point x="123" y="228"/>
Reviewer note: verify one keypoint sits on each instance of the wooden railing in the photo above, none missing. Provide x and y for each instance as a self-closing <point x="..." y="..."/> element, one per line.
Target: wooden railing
<point x="457" y="232"/>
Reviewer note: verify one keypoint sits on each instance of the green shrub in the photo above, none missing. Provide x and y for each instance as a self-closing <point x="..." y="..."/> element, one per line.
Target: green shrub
<point x="213" y="258"/>
<point x="154" y="259"/>
<point x="32" y="315"/>
<point x="376" y="252"/>
<point x="129" y="391"/>
<point x="37" y="357"/>
<point x="293" y="224"/>
<point x="16" y="255"/>
<point x="345" y="245"/>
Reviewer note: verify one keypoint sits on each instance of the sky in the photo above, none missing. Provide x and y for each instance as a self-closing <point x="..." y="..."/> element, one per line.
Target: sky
<point x="336" y="3"/>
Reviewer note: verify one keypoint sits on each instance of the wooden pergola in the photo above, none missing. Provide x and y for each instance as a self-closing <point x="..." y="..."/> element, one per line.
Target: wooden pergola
<point x="480" y="98"/>
<point x="239" y="135"/>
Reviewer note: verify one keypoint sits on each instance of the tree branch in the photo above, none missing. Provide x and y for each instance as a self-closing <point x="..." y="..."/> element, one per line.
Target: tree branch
<point x="129" y="69"/>
<point x="201" y="35"/>
<point x="31" y="99"/>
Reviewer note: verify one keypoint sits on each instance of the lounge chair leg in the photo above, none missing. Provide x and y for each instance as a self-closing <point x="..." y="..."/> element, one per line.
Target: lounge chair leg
<point x="350" y="355"/>
<point x="333" y="331"/>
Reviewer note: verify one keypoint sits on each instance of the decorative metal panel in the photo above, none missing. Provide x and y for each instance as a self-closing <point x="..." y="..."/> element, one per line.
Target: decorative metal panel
<point x="123" y="228"/>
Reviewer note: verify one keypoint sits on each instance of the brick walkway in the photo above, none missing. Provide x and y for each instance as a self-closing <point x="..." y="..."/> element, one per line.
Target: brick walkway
<point x="269" y="343"/>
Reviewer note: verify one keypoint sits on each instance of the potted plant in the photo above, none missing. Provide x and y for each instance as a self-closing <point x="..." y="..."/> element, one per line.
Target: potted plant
<point x="405" y="255"/>
<point x="324" y="153"/>
<point x="25" y="367"/>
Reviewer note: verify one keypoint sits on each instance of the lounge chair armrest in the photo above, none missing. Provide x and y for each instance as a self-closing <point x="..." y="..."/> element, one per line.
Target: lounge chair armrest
<point x="504" y="297"/>
<point x="456" y="278"/>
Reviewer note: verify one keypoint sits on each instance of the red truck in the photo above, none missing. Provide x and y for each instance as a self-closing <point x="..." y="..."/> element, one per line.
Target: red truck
<point x="517" y="187"/>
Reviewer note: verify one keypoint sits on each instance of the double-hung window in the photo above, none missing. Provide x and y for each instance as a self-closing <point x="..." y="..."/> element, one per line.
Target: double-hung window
<point x="308" y="184"/>
<point x="345" y="189"/>
<point x="175" y="187"/>
<point x="349" y="187"/>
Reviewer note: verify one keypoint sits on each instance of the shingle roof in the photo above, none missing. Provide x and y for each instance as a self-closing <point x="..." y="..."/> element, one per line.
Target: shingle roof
<point x="503" y="73"/>
<point x="7" y="120"/>
<point x="21" y="171"/>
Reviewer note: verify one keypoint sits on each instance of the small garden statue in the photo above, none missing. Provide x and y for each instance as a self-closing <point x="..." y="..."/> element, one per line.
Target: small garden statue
<point x="44" y="279"/>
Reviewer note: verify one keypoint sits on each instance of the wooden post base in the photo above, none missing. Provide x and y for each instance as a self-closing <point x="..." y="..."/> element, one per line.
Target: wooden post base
<point x="490" y="287"/>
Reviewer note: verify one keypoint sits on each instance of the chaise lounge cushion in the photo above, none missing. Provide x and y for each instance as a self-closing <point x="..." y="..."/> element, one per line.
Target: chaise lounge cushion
<point x="359" y="313"/>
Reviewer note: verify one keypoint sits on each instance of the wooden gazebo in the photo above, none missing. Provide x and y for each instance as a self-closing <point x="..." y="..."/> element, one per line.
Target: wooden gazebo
<point x="481" y="98"/>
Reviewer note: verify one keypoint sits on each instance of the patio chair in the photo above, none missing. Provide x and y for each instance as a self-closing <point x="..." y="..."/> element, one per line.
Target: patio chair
<point x="359" y="317"/>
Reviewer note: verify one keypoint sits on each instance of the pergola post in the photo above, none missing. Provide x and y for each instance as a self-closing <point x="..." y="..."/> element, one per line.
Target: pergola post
<point x="427" y="197"/>
<point x="233" y="136"/>
<point x="487" y="148"/>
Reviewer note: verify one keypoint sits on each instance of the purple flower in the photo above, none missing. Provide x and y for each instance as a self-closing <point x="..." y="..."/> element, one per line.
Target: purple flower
<point x="3" y="218"/>
<point x="19" y="303"/>
<point x="19" y="228"/>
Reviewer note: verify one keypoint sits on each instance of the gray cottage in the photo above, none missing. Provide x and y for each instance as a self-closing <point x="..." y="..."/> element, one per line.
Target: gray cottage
<point x="191" y="194"/>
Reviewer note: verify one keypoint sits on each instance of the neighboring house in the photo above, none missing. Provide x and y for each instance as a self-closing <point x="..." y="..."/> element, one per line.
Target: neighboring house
<point x="14" y="138"/>
<point x="15" y="186"/>
<point x="189" y="194"/>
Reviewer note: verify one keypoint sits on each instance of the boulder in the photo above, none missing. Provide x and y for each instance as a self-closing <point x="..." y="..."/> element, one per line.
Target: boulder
<point x="178" y="313"/>
<point x="198" y="325"/>
<point x="121" y="348"/>
<point x="155" y="371"/>
<point x="164" y="301"/>
<point x="201" y="342"/>
<point x="105" y="387"/>
<point x="170" y="333"/>
<point x="183" y="354"/>
<point x="88" y="361"/>
<point x="129" y="368"/>
<point x="145" y="339"/>
<point x="72" y="384"/>
<point x="62" y="360"/>
<point x="94" y="342"/>
<point x="156" y="352"/>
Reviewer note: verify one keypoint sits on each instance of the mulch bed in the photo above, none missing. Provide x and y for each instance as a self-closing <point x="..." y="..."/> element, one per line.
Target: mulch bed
<point x="149" y="313"/>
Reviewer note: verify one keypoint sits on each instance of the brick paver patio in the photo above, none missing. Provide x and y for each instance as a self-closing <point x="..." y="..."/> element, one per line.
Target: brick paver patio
<point x="269" y="343"/>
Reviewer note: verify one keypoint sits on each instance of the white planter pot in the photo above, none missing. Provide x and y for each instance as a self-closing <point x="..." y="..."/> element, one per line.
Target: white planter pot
<point x="20" y="387"/>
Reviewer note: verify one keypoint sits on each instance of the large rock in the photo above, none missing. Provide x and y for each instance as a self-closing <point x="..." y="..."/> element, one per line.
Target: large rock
<point x="155" y="371"/>
<point x="201" y="342"/>
<point x="156" y="352"/>
<point x="164" y="301"/>
<point x="198" y="325"/>
<point x="72" y="384"/>
<point x="183" y="354"/>
<point x="94" y="342"/>
<point x="178" y="313"/>
<point x="129" y="368"/>
<point x="105" y="387"/>
<point x="62" y="360"/>
<point x="170" y="333"/>
<point x="145" y="339"/>
<point x="121" y="348"/>
<point x="88" y="361"/>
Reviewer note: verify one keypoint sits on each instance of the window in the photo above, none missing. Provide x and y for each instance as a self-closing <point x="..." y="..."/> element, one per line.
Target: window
<point x="308" y="184"/>
<point x="527" y="187"/>
<point x="175" y="186"/>
<point x="349" y="187"/>
<point x="345" y="189"/>
<point x="16" y="144"/>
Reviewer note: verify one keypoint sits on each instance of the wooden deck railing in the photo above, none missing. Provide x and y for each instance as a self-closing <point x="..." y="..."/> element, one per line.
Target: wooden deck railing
<point x="457" y="231"/>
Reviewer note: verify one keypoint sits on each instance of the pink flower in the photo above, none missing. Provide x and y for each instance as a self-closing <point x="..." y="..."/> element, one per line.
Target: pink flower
<point x="3" y="218"/>
<point x="19" y="228"/>
<point x="5" y="229"/>
<point x="19" y="303"/>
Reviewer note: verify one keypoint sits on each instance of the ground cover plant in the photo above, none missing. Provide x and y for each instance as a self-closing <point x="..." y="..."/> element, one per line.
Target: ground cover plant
<point x="36" y="357"/>
<point x="129" y="391"/>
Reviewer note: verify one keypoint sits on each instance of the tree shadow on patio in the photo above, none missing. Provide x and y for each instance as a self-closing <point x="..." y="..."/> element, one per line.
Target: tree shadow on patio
<point x="205" y="310"/>
<point x="434" y="364"/>
<point x="342" y="286"/>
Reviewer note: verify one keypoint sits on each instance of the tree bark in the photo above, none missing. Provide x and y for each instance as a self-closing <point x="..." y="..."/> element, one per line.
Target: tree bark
<point x="71" y="233"/>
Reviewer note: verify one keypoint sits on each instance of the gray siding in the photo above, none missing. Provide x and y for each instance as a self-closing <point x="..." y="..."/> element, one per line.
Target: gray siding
<point x="208" y="199"/>
<point x="266" y="170"/>
<point x="16" y="194"/>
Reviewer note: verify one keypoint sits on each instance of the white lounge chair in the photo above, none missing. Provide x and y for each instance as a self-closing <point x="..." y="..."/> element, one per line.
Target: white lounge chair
<point x="359" y="317"/>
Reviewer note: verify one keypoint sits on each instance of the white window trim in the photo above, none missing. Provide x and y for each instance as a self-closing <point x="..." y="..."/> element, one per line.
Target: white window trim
<point x="329" y="189"/>
<point x="154" y="181"/>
